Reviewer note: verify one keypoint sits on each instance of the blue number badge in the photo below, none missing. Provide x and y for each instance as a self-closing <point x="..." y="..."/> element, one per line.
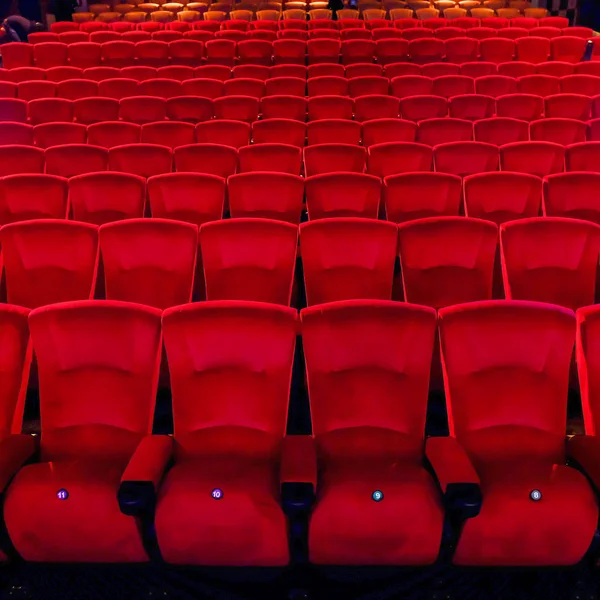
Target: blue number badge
<point x="535" y="495"/>
<point x="377" y="495"/>
<point x="62" y="494"/>
<point x="217" y="494"/>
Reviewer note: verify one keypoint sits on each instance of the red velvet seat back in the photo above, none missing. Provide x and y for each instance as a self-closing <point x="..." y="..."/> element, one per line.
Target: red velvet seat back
<point x="149" y="261"/>
<point x="230" y="365"/>
<point x="550" y="260"/>
<point x="506" y="373"/>
<point x="249" y="259"/>
<point x="14" y="339"/>
<point x="368" y="367"/>
<point x="49" y="261"/>
<point x="447" y="260"/>
<point x="347" y="258"/>
<point x="98" y="371"/>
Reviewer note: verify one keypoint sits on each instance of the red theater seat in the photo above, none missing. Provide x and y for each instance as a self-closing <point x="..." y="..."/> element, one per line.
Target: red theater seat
<point x="329" y="158"/>
<point x="346" y="258"/>
<point x="86" y="352"/>
<point x="556" y="68"/>
<point x="538" y="85"/>
<point x="549" y="259"/>
<point x="525" y="107"/>
<point x="536" y="158"/>
<point x="211" y="159"/>
<point x="48" y="261"/>
<point x="410" y="196"/>
<point x="343" y="195"/>
<point x="277" y="158"/>
<point x="249" y="259"/>
<point x="95" y="110"/>
<point x="75" y="159"/>
<point x="237" y="108"/>
<point x="439" y="131"/>
<point x="17" y="54"/>
<point x="501" y="130"/>
<point x="516" y="444"/>
<point x="379" y="131"/>
<point x="573" y="195"/>
<point x="177" y="196"/>
<point x="25" y="197"/>
<point x="149" y="261"/>
<point x="17" y="448"/>
<point x="20" y="134"/>
<point x="495" y="85"/>
<point x="502" y="196"/>
<point x="330" y="107"/>
<point x="391" y="158"/>
<point x="104" y="197"/>
<point x="168" y="133"/>
<point x="116" y="133"/>
<point x="143" y="109"/>
<point x="278" y="196"/>
<point x="216" y="350"/>
<point x="331" y="131"/>
<point x="58" y="134"/>
<point x="584" y="156"/>
<point x="283" y="131"/>
<point x="284" y="107"/>
<point x="465" y="158"/>
<point x="447" y="260"/>
<point x="141" y="159"/>
<point x="359" y="350"/>
<point x="559" y="131"/>
<point x="229" y="133"/>
<point x="15" y="160"/>
<point x="50" y="110"/>
<point x="568" y="106"/>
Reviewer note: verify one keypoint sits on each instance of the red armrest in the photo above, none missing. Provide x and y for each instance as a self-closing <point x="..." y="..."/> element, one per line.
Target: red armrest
<point x="299" y="460"/>
<point x="15" y="450"/>
<point x="150" y="459"/>
<point x="450" y="462"/>
<point x="585" y="450"/>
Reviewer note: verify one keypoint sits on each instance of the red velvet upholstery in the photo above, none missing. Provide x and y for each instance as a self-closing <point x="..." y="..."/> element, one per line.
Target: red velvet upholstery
<point x="150" y="459"/>
<point x="49" y="261"/>
<point x="574" y="195"/>
<point x="450" y="462"/>
<point x="98" y="372"/>
<point x="588" y="358"/>
<point x="104" y="197"/>
<point x="550" y="260"/>
<point x="506" y="371"/>
<point x="14" y="356"/>
<point x="31" y="196"/>
<point x="249" y="259"/>
<point x="230" y="366"/>
<point x="149" y="261"/>
<point x="343" y="195"/>
<point x="347" y="258"/>
<point x="410" y="196"/>
<point x="368" y="377"/>
<point x="176" y="196"/>
<point x="278" y="196"/>
<point x="447" y="260"/>
<point x="502" y="196"/>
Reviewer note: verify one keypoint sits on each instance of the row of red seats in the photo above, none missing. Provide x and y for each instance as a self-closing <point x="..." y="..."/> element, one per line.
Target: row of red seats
<point x="218" y="493"/>
<point x="104" y="197"/>
<point x="403" y="86"/>
<point x="444" y="260"/>
<point x="412" y="33"/>
<point x="431" y="132"/>
<point x="474" y="69"/>
<point x="195" y="109"/>
<point x="382" y="160"/>
<point x="299" y="24"/>
<point x="261" y="52"/>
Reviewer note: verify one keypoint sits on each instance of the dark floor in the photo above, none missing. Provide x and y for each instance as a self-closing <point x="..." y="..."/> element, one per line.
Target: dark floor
<point x="57" y="582"/>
